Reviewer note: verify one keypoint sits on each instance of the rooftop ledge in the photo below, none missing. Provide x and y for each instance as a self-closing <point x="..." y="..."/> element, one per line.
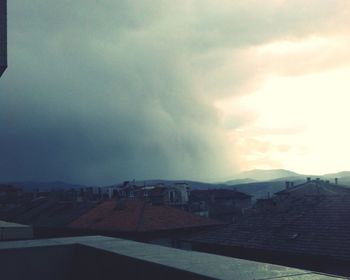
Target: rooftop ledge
<point x="98" y="257"/>
<point x="12" y="231"/>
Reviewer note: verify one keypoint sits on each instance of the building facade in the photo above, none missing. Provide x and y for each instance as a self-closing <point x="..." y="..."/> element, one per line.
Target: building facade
<point x="3" y="36"/>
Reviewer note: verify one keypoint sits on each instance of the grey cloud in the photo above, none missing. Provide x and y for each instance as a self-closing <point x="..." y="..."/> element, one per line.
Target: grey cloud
<point x="91" y="97"/>
<point x="247" y="23"/>
<point x="219" y="35"/>
<point x="101" y="91"/>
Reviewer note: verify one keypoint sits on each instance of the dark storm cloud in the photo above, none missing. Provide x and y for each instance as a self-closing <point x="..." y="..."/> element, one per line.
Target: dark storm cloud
<point x="101" y="91"/>
<point x="92" y="96"/>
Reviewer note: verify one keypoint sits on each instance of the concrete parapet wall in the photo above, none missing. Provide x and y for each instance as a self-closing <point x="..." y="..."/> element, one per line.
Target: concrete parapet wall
<point x="98" y="257"/>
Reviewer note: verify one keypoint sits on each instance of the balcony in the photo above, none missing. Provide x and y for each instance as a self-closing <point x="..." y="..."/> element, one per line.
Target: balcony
<point x="98" y="257"/>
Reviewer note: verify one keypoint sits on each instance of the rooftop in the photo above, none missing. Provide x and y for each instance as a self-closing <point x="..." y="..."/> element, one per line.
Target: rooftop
<point x="310" y="221"/>
<point x="138" y="215"/>
<point x="315" y="187"/>
<point x="46" y="212"/>
<point x="318" y="226"/>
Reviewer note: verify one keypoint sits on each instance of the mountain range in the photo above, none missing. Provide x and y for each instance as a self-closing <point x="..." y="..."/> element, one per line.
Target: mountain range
<point x="266" y="175"/>
<point x="258" y="182"/>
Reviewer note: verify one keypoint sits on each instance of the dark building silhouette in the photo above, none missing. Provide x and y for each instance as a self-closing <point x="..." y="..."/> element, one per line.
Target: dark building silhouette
<point x="3" y="37"/>
<point x="219" y="204"/>
<point x="305" y="226"/>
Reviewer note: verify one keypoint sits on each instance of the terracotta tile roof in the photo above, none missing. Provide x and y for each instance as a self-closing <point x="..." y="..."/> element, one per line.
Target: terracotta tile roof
<point x="45" y="212"/>
<point x="139" y="215"/>
<point x="309" y="225"/>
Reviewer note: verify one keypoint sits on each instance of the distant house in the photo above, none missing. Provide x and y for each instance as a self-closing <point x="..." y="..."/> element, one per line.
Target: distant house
<point x="175" y="195"/>
<point x="220" y="204"/>
<point x="126" y="190"/>
<point x="313" y="187"/>
<point x="305" y="226"/>
<point x="140" y="220"/>
<point x="3" y="37"/>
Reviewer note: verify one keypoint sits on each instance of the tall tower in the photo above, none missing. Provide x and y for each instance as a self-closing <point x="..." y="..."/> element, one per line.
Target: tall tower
<point x="3" y="36"/>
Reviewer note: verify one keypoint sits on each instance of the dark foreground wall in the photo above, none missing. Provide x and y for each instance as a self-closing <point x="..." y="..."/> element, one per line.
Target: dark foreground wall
<point x="306" y="261"/>
<point x="92" y="258"/>
<point x="72" y="262"/>
<point x="3" y="36"/>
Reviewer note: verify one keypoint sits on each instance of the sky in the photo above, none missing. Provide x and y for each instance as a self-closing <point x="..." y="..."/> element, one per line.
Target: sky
<point x="98" y="92"/>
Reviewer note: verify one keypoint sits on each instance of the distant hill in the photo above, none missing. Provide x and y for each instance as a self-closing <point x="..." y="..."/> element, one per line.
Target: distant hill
<point x="266" y="174"/>
<point x="266" y="188"/>
<point x="257" y="189"/>
<point x="44" y="186"/>
<point x="239" y="181"/>
<point x="343" y="180"/>
<point x="341" y="174"/>
<point x="258" y="182"/>
<point x="261" y="189"/>
<point x="254" y="188"/>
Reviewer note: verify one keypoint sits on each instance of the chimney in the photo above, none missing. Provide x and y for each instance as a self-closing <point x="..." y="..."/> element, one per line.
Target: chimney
<point x="287" y="185"/>
<point x="336" y="181"/>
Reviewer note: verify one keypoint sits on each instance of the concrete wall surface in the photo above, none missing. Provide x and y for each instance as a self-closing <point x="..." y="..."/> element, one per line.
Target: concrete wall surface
<point x="3" y="36"/>
<point x="13" y="231"/>
<point x="98" y="257"/>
